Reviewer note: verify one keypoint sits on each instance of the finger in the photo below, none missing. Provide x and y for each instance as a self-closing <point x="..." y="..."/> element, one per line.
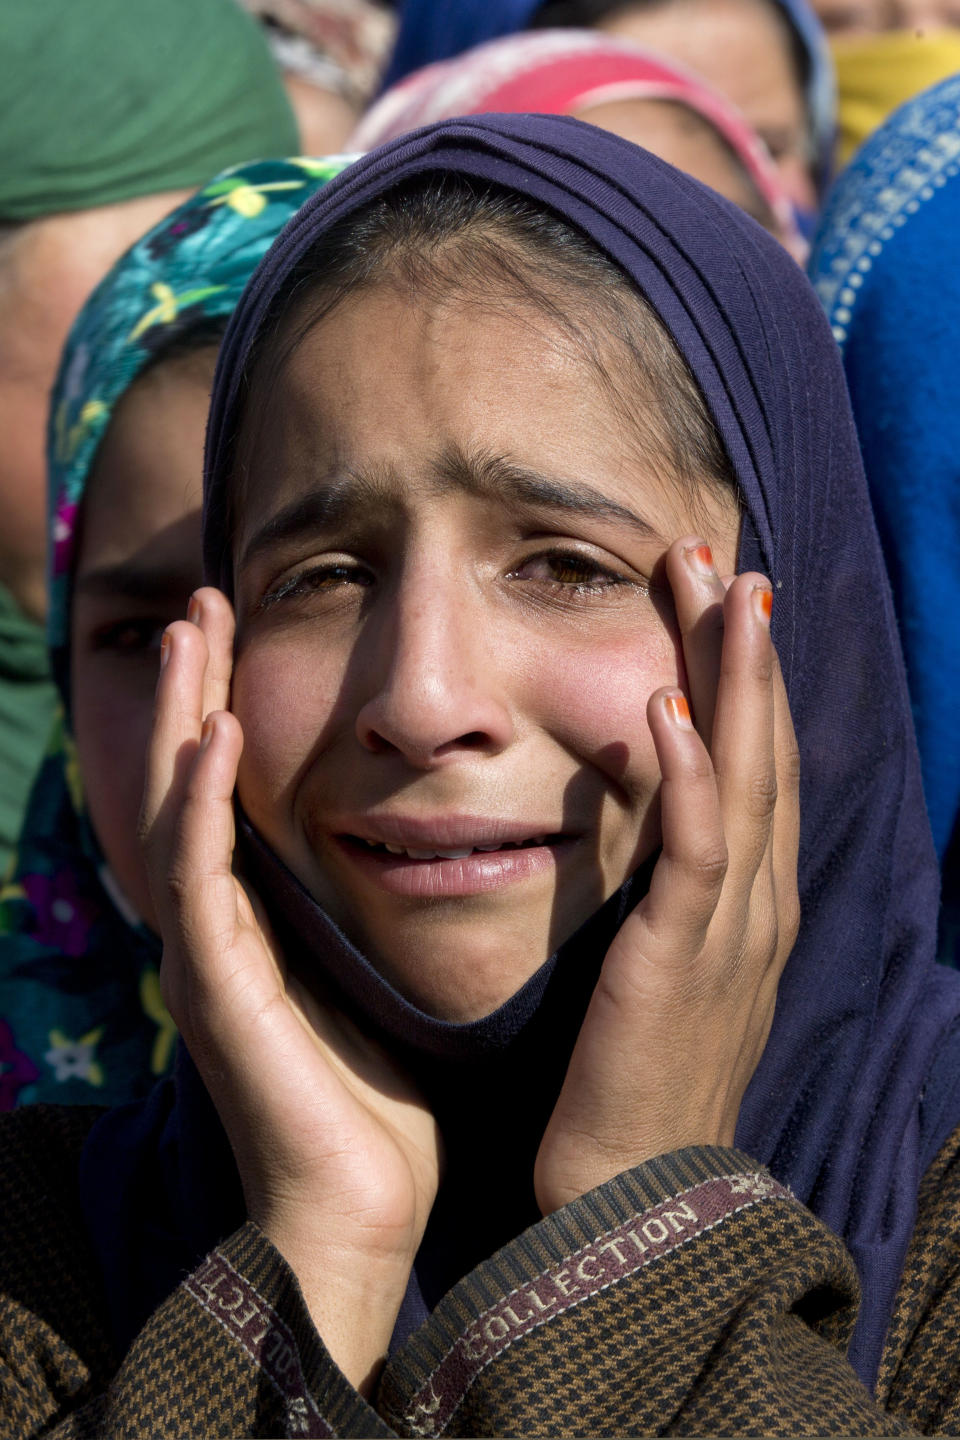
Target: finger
<point x="743" y="728"/>
<point x="210" y="979"/>
<point x="698" y="595"/>
<point x="177" y="722"/>
<point x="689" y="874"/>
<point x="202" y="894"/>
<point x="786" y="821"/>
<point x="212" y="612"/>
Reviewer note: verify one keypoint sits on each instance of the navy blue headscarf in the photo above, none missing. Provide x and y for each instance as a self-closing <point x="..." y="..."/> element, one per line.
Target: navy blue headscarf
<point x="860" y="1082"/>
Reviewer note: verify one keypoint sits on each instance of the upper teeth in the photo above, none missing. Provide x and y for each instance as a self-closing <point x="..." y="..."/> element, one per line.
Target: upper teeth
<point x="456" y="854"/>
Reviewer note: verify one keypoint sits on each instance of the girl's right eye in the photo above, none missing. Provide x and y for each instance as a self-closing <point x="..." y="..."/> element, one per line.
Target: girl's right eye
<point x="316" y="580"/>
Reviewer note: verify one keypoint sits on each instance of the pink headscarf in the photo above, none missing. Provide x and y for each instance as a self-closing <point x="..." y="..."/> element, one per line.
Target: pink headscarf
<point x="557" y="72"/>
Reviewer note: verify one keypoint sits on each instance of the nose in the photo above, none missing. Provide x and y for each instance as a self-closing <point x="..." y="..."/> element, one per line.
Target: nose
<point x="437" y="674"/>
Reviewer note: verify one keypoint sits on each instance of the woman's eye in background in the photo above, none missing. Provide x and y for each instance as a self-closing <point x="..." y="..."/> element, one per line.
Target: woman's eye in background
<point x="131" y="636"/>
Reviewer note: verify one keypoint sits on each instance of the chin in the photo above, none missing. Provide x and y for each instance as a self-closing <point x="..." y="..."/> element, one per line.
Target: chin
<point x="459" y="982"/>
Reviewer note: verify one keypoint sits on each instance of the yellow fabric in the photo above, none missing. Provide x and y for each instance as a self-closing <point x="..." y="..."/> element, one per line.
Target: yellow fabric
<point x="878" y="73"/>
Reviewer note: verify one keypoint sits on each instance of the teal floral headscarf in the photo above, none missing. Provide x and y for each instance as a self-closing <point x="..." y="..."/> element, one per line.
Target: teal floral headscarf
<point x="81" y="1018"/>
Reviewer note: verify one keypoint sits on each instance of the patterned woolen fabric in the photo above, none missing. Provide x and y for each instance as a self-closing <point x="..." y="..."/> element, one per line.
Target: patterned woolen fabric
<point x="691" y="1296"/>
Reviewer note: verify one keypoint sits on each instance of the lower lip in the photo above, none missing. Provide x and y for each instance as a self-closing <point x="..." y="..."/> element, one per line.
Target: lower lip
<point x="474" y="874"/>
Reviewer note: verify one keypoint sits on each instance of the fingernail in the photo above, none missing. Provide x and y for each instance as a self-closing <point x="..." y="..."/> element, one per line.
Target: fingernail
<point x="193" y="610"/>
<point x="763" y="600"/>
<point x="700" y="558"/>
<point x="678" y="710"/>
<point x="206" y="734"/>
<point x="164" y="650"/>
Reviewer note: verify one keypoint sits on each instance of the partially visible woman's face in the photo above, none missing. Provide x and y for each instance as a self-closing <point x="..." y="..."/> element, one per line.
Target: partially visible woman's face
<point x="684" y="139"/>
<point x="867" y="17"/>
<point x="138" y="563"/>
<point x="742" y="49"/>
<point x="48" y="267"/>
<point x="324" y="118"/>
<point x="450" y="618"/>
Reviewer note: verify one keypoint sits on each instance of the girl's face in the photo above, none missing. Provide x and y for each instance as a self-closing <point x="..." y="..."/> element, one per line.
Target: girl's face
<point x="137" y="564"/>
<point x="450" y="618"/>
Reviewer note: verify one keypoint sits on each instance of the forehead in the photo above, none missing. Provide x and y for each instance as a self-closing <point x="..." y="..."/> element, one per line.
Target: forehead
<point x="683" y="138"/>
<point x="864" y="16"/>
<point x="741" y="47"/>
<point x="387" y="388"/>
<point x="147" y="475"/>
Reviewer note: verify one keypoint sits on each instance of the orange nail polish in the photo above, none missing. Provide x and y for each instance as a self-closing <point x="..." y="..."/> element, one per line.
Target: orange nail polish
<point x="678" y="710"/>
<point x="764" y="598"/>
<point x="193" y="610"/>
<point x="206" y="734"/>
<point x="164" y="650"/>
<point x="700" y="557"/>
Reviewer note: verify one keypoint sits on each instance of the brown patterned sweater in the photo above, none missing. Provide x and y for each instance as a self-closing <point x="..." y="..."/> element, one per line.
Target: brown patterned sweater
<point x="690" y="1296"/>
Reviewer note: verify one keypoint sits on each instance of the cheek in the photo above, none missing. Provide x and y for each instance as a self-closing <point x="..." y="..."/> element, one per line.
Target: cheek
<point x="112" y="724"/>
<point x="592" y="698"/>
<point x="112" y="730"/>
<point x="286" y="700"/>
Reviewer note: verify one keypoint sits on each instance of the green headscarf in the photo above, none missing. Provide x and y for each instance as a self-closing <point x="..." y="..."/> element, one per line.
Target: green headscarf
<point x="105" y="100"/>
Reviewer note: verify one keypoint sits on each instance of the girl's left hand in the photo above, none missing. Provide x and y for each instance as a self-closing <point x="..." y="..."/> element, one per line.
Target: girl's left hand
<point x="681" y="1012"/>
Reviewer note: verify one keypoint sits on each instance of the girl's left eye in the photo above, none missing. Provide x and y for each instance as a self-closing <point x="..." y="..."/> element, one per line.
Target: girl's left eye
<point x="570" y="573"/>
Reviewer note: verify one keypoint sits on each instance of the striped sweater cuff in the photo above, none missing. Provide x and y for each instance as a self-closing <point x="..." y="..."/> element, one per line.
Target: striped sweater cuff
<point x="598" y="1240"/>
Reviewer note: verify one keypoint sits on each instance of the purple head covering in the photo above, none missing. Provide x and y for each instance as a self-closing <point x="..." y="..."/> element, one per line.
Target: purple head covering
<point x="860" y="1082"/>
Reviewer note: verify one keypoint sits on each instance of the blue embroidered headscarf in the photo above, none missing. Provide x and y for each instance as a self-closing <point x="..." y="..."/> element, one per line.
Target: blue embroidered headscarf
<point x="438" y="29"/>
<point x="885" y="267"/>
<point x="860" y="1082"/>
<point x="81" y="1019"/>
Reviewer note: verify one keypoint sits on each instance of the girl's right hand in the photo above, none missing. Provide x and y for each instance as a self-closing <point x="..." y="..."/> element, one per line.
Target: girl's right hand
<point x="338" y="1155"/>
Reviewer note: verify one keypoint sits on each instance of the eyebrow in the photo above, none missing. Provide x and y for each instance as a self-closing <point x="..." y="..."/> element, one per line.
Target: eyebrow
<point x="136" y="582"/>
<point x="339" y="497"/>
<point x="484" y="473"/>
<point x="332" y="501"/>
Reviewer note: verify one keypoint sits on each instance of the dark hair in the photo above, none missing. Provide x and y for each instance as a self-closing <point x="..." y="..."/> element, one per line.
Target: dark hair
<point x="188" y="335"/>
<point x="445" y="234"/>
<point x="585" y="14"/>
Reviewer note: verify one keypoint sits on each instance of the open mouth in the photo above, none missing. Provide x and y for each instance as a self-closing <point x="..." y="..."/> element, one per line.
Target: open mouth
<point x="372" y="847"/>
<point x="448" y="866"/>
